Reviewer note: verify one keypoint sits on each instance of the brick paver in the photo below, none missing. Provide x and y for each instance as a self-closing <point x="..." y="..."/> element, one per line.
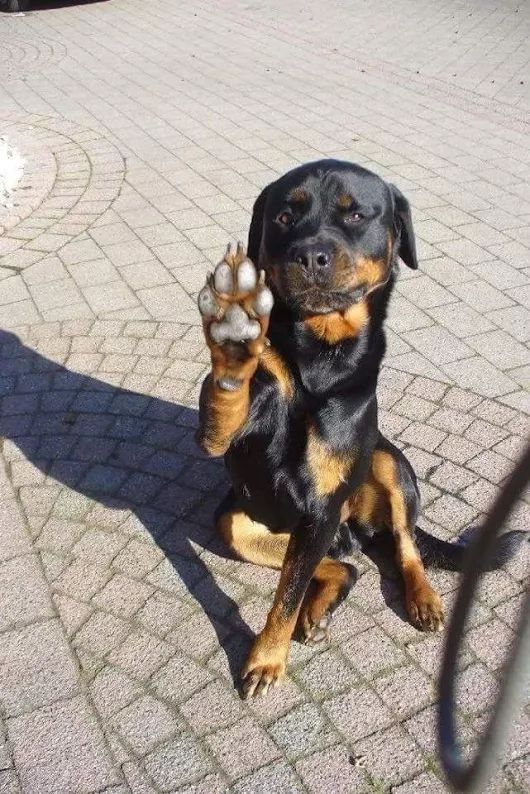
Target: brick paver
<point x="148" y="131"/>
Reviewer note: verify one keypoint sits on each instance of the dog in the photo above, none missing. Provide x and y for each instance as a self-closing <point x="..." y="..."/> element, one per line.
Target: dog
<point x="295" y="332"/>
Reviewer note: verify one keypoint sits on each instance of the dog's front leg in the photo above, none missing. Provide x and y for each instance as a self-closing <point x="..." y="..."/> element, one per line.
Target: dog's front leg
<point x="235" y="305"/>
<point x="304" y="559"/>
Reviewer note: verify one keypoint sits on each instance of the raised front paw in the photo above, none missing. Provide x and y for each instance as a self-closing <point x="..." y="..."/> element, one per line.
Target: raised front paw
<point x="235" y="303"/>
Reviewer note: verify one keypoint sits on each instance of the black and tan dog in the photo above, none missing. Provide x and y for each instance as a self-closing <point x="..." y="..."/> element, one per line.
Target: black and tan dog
<point x="291" y="400"/>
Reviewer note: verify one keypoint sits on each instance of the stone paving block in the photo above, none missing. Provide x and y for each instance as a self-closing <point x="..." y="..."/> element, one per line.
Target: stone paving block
<point x="390" y="756"/>
<point x="405" y="690"/>
<point x="141" y="655"/>
<point x="500" y="275"/>
<point x="97" y="546"/>
<point x="123" y="596"/>
<point x="485" y="433"/>
<point x="177" y="763"/>
<point x="242" y="748"/>
<point x="302" y="731"/>
<point x="13" y="290"/>
<point x="476" y="689"/>
<point x="145" y="723"/>
<point x="162" y="301"/>
<point x="480" y="376"/>
<point x="423" y="435"/>
<point x="8" y="783"/>
<point x="273" y="779"/>
<point x="82" y="580"/>
<point x="450" y="513"/>
<point x="211" y="708"/>
<point x="101" y="633"/>
<point x="325" y="675"/>
<point x="180" y="679"/>
<point x="113" y="294"/>
<point x="358" y="713"/>
<point x="503" y="352"/>
<point x="491" y="642"/>
<point x="99" y="271"/>
<point x="451" y="477"/>
<point x="424" y="292"/>
<point x="80" y="251"/>
<point x="55" y="294"/>
<point x="491" y="465"/>
<point x="112" y="690"/>
<point x="481" y="296"/>
<point x="438" y="345"/>
<point x="332" y="770"/>
<point x="36" y="668"/>
<point x="61" y="748"/>
<point x="72" y="613"/>
<point x="15" y="540"/>
<point x="24" y="594"/>
<point x="146" y="274"/>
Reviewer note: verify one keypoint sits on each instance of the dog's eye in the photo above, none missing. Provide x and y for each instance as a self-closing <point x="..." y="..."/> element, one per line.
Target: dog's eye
<point x="286" y="218"/>
<point x="355" y="217"/>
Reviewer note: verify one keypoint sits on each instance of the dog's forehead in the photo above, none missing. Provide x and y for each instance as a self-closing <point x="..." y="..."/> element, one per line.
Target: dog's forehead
<point x="330" y="179"/>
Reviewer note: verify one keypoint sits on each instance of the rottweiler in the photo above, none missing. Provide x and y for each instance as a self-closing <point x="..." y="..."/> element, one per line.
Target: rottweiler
<point x="295" y="331"/>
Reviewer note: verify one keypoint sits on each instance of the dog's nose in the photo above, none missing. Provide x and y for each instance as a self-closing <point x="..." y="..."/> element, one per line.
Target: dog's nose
<point x="316" y="261"/>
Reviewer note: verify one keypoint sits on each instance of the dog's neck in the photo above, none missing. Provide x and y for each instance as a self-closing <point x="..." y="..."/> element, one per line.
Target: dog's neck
<point x="335" y="352"/>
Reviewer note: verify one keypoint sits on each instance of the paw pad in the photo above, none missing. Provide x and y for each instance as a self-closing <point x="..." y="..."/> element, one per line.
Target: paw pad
<point x="235" y="298"/>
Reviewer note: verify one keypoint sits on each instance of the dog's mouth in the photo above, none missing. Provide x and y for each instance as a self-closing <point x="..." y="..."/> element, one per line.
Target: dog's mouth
<point x="324" y="301"/>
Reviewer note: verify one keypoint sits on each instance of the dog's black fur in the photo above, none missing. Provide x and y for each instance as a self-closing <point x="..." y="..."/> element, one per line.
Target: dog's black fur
<point x="329" y="236"/>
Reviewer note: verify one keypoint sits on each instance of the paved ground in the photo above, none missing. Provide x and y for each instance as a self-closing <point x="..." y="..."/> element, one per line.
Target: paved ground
<point x="148" y="130"/>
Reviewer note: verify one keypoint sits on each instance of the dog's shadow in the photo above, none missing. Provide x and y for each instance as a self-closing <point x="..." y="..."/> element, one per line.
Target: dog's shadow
<point x="127" y="451"/>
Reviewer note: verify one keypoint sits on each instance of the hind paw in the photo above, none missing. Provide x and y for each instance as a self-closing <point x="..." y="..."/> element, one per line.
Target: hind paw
<point x="321" y="602"/>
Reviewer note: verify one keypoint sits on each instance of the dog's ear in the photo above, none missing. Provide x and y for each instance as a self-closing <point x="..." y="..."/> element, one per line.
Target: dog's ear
<point x="404" y="229"/>
<point x="256" y="227"/>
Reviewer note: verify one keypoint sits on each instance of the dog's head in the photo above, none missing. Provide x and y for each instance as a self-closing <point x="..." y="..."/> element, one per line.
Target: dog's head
<point x="327" y="234"/>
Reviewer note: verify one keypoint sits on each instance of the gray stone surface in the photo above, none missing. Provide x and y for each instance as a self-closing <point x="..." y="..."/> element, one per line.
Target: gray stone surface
<point x="147" y="135"/>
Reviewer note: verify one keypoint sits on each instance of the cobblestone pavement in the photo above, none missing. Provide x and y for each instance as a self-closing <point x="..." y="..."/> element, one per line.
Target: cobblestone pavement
<point x="148" y="130"/>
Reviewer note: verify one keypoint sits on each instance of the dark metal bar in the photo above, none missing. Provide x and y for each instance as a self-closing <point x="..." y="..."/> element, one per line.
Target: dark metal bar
<point x="516" y="672"/>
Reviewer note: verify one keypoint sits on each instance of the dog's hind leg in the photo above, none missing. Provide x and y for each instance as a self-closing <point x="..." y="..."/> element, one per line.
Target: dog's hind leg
<point x="331" y="582"/>
<point x="391" y="471"/>
<point x="389" y="498"/>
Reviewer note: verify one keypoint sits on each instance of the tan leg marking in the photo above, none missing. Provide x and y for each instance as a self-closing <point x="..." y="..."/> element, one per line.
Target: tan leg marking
<point x="380" y="501"/>
<point x="254" y="542"/>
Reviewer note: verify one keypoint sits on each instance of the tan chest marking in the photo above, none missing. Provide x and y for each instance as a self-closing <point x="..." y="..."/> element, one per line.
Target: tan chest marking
<point x="335" y="327"/>
<point x="328" y="469"/>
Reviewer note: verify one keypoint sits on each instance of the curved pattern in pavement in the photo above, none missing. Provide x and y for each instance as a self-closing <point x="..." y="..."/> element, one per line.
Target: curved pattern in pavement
<point x="24" y="54"/>
<point x="71" y="177"/>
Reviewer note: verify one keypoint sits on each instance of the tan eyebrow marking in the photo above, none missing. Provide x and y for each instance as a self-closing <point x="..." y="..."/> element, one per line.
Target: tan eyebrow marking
<point x="345" y="201"/>
<point x="298" y="195"/>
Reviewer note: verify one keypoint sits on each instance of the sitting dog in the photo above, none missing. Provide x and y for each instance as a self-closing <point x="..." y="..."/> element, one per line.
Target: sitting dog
<point x="296" y="337"/>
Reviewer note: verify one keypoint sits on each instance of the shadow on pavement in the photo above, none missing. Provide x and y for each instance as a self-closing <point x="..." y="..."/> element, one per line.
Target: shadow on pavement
<point x="42" y="5"/>
<point x="124" y="450"/>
